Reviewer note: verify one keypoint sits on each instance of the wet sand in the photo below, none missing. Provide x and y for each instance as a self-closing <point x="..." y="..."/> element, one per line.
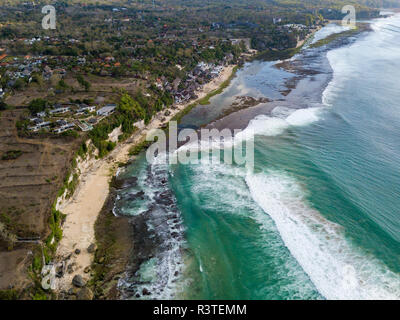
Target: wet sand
<point x="311" y="74"/>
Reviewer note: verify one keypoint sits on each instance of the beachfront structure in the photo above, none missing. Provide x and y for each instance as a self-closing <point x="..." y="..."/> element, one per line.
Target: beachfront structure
<point x="36" y="121"/>
<point x="64" y="128"/>
<point x="106" y="110"/>
<point x="84" y="126"/>
<point x="60" y="110"/>
<point x="40" y="125"/>
<point x="86" y="108"/>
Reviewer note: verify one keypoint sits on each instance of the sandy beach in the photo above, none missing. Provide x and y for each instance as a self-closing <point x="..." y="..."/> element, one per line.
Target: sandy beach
<point x="301" y="42"/>
<point x="84" y="207"/>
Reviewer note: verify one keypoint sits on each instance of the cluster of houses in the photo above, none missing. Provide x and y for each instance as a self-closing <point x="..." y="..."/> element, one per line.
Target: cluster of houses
<point x="24" y="67"/>
<point x="25" y="70"/>
<point x="62" y="118"/>
<point x="21" y="68"/>
<point x="203" y="73"/>
<point x="295" y="27"/>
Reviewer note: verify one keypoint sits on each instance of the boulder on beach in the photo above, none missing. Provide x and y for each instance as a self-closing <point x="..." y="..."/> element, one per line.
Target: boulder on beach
<point x="146" y="292"/>
<point x="60" y="270"/>
<point x="78" y="281"/>
<point x="91" y="248"/>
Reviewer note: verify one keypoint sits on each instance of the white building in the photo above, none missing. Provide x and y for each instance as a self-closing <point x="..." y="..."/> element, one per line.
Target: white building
<point x="84" y="126"/>
<point x="64" y="128"/>
<point x="60" y="110"/>
<point x="107" y="110"/>
<point x="38" y="126"/>
<point x="87" y="108"/>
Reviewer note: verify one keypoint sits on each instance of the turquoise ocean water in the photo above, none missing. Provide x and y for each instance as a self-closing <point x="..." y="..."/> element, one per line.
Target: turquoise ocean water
<point x="319" y="216"/>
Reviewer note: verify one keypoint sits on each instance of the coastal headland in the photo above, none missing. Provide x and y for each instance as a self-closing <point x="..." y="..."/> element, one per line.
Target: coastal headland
<point x="90" y="222"/>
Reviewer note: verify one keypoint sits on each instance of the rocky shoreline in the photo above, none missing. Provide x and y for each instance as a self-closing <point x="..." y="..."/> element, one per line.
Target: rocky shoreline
<point x="156" y="233"/>
<point x="126" y="242"/>
<point x="98" y="273"/>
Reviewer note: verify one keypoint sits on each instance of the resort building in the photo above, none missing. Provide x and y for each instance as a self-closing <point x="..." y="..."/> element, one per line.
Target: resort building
<point x="107" y="110"/>
<point x="60" y="110"/>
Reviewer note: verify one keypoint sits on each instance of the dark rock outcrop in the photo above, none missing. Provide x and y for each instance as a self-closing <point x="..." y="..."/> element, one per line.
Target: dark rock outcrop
<point x="78" y="281"/>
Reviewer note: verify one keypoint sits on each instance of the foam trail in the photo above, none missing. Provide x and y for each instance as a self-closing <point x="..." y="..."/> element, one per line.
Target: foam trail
<point x="282" y="119"/>
<point x="338" y="269"/>
<point x="304" y="117"/>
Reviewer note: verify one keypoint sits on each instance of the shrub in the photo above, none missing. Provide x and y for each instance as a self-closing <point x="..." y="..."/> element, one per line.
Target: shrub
<point x="37" y="105"/>
<point x="11" y="155"/>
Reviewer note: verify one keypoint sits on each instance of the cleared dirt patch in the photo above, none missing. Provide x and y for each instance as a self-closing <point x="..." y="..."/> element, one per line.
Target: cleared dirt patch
<point x="32" y="171"/>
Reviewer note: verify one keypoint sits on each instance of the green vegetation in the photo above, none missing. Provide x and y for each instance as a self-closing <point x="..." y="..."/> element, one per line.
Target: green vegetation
<point x="82" y="151"/>
<point x="70" y="184"/>
<point x="70" y="133"/>
<point x="137" y="148"/>
<point x="3" y="106"/>
<point x="333" y="37"/>
<point x="130" y="107"/>
<point x="62" y="86"/>
<point x="9" y="295"/>
<point x="129" y="110"/>
<point x="39" y="296"/>
<point x="272" y="55"/>
<point x="37" y="105"/>
<point x="36" y="292"/>
<point x="11" y="155"/>
<point x="99" y="137"/>
<point x="37" y="263"/>
<point x="85" y="84"/>
<point x="55" y="221"/>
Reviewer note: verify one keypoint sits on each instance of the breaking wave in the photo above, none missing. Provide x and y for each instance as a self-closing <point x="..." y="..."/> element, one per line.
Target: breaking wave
<point x="337" y="268"/>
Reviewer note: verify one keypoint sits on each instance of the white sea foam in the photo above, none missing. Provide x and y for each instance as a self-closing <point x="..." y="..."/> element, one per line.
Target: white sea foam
<point x="282" y="112"/>
<point x="304" y="117"/>
<point x="345" y="61"/>
<point x="337" y="268"/>
<point x="223" y="188"/>
<point x="265" y="125"/>
<point x="283" y="119"/>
